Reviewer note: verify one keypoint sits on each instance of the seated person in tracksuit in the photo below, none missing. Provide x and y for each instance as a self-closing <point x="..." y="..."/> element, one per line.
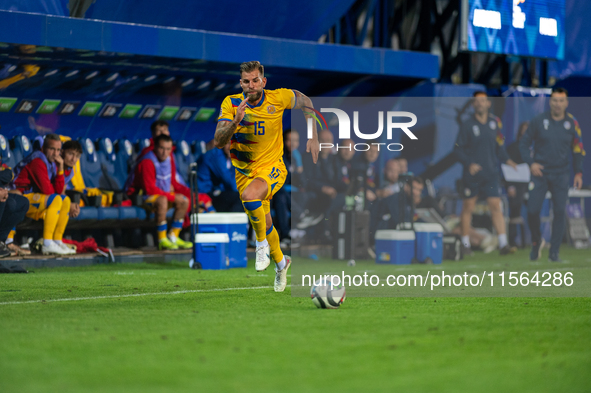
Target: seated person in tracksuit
<point x="70" y="149"/>
<point x="160" y="127"/>
<point x="479" y="147"/>
<point x="154" y="178"/>
<point x="555" y="135"/>
<point x="391" y="175"/>
<point x="13" y="208"/>
<point x="397" y="208"/>
<point x="40" y="178"/>
<point x="157" y="128"/>
<point x="70" y="153"/>
<point x="344" y="167"/>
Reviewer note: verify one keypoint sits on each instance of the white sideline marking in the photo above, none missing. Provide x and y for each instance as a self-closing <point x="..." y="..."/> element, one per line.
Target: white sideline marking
<point x="73" y="299"/>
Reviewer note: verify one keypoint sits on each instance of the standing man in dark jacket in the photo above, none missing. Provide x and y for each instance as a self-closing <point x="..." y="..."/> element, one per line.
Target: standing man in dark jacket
<point x="479" y="147"/>
<point x="554" y="134"/>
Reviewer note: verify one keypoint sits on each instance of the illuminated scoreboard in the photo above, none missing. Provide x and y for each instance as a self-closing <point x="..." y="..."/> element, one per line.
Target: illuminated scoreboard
<point x="529" y="28"/>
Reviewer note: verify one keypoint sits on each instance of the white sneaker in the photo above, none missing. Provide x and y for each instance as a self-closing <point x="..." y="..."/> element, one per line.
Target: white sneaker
<point x="263" y="258"/>
<point x="281" y="276"/>
<point x="53" y="248"/>
<point x="66" y="248"/>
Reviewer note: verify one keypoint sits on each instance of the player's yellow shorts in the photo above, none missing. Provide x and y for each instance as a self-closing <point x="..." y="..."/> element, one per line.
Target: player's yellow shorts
<point x="274" y="177"/>
<point x="38" y="203"/>
<point x="150" y="202"/>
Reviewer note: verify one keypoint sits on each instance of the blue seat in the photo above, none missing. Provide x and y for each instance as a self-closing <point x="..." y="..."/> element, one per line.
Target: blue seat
<point x="108" y="213"/>
<point x="141" y="144"/>
<point x="132" y="213"/>
<point x="8" y="156"/>
<point x="124" y="160"/>
<point x="115" y="160"/>
<point x="21" y="147"/>
<point x="183" y="157"/>
<point x="107" y="158"/>
<point x="90" y="167"/>
<point x="38" y="143"/>
<point x="87" y="213"/>
<point x="198" y="148"/>
<point x="152" y="216"/>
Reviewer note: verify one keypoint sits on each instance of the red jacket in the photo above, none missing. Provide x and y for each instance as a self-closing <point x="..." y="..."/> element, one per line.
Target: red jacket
<point x="35" y="175"/>
<point x="145" y="179"/>
<point x="181" y="190"/>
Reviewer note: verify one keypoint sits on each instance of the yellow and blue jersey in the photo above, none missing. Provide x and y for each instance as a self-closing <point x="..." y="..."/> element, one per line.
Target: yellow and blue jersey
<point x="258" y="141"/>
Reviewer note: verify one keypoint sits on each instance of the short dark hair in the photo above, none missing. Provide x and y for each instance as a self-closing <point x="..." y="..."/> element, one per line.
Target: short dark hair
<point x="156" y="124"/>
<point x="418" y="179"/>
<point x="251" y="66"/>
<point x="72" y="145"/>
<point x="479" y="92"/>
<point x="50" y="137"/>
<point x="162" y="138"/>
<point x="559" y="90"/>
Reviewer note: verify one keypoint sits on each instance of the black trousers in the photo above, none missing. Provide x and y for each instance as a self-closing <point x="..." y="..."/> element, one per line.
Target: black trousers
<point x="11" y="213"/>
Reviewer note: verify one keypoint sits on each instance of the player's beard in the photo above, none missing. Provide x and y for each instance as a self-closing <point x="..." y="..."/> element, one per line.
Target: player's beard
<point x="252" y="98"/>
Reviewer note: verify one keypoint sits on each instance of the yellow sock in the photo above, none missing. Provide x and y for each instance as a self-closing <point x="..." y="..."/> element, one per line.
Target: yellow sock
<point x="162" y="230"/>
<point x="256" y="214"/>
<point x="52" y="214"/>
<point x="273" y="239"/>
<point x="176" y="228"/>
<point x="10" y="237"/>
<point x="63" y="218"/>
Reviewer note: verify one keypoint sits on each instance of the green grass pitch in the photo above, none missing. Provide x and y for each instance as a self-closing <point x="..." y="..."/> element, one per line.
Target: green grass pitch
<point x="165" y="328"/>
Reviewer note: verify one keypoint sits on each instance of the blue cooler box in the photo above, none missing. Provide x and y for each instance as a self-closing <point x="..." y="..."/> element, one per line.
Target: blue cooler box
<point x="235" y="225"/>
<point x="395" y="247"/>
<point x="212" y="250"/>
<point x="429" y="241"/>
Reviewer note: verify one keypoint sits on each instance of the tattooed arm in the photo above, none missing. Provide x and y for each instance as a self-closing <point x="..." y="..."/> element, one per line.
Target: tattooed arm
<point x="303" y="102"/>
<point x="225" y="129"/>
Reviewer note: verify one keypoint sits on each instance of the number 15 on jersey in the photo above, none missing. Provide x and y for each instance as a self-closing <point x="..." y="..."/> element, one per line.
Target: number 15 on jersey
<point x="259" y="127"/>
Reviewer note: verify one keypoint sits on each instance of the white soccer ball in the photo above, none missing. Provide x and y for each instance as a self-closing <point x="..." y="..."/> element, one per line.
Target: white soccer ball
<point x="325" y="296"/>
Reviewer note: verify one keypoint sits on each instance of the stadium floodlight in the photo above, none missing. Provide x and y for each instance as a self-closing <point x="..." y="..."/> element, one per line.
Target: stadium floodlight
<point x="52" y="72"/>
<point x="188" y="82"/>
<point x="150" y="78"/>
